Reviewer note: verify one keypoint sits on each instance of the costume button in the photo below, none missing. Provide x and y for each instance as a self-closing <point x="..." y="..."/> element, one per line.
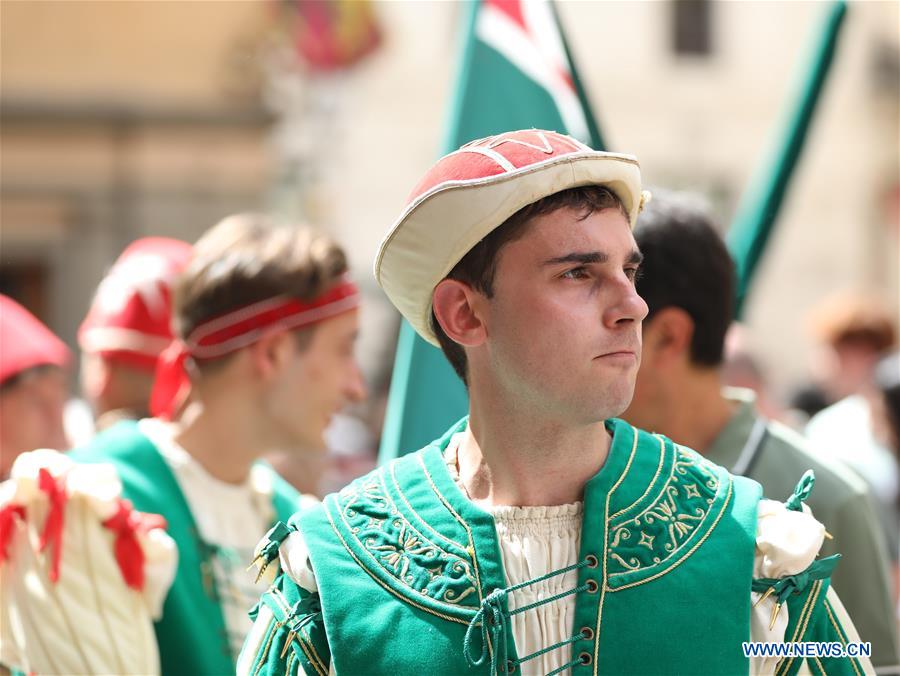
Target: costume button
<point x="585" y="659"/>
<point x="587" y="633"/>
<point x="592" y="586"/>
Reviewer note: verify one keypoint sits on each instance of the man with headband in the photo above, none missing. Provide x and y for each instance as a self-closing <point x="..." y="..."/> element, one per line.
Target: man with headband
<point x="265" y="319"/>
<point x="540" y="534"/>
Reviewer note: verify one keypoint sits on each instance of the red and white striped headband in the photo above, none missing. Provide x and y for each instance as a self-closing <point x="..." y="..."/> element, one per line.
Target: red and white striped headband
<point x="236" y="330"/>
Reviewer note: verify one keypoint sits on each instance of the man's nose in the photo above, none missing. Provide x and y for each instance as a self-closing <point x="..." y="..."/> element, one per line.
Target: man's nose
<point x="627" y="306"/>
<point x="355" y="389"/>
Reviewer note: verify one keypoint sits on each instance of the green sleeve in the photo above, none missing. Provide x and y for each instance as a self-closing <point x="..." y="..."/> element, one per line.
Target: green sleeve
<point x="813" y="618"/>
<point x="288" y="636"/>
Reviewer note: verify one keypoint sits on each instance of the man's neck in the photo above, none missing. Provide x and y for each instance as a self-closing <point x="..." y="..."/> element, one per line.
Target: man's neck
<point x="699" y="412"/>
<point x="224" y="448"/>
<point x="509" y="458"/>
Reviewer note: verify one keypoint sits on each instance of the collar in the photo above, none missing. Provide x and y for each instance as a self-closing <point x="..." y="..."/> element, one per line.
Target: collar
<point x="726" y="448"/>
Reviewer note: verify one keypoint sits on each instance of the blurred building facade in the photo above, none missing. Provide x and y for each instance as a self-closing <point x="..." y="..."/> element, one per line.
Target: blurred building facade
<point x="120" y="120"/>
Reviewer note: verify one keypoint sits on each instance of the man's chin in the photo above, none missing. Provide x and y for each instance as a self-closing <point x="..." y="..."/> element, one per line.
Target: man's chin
<point x="615" y="401"/>
<point x="307" y="442"/>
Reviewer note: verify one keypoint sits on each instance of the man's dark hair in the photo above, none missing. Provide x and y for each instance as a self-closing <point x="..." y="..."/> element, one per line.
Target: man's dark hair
<point x="686" y="265"/>
<point x="479" y="266"/>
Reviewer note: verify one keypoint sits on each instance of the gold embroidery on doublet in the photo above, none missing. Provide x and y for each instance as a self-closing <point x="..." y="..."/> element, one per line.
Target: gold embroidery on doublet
<point x="684" y="505"/>
<point x="396" y="546"/>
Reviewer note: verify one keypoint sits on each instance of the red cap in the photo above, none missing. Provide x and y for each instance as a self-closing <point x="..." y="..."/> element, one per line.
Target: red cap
<point x="25" y="342"/>
<point x="130" y="318"/>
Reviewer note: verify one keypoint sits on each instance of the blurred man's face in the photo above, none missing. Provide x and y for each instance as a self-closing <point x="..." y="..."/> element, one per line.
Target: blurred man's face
<point x="318" y="381"/>
<point x="31" y="414"/>
<point x="850" y="367"/>
<point x="564" y="325"/>
<point x="645" y="410"/>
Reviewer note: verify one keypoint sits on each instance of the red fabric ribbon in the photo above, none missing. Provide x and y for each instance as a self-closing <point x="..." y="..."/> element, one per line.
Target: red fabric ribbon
<point x="126" y="523"/>
<point x="238" y="329"/>
<point x="8" y="516"/>
<point x="55" y="488"/>
<point x="171" y="384"/>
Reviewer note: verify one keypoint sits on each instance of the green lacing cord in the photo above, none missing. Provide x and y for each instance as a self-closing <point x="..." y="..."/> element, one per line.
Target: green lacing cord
<point x="801" y="492"/>
<point x="269" y="551"/>
<point x="494" y="621"/>
<point x="302" y="613"/>
<point x="568" y="641"/>
<point x="783" y="587"/>
<point x="567" y="665"/>
<point x="542" y="602"/>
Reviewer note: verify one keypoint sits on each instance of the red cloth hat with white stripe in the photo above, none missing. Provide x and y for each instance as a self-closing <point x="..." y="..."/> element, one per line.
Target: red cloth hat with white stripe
<point x="130" y="318"/>
<point x="25" y="342"/>
<point x="475" y="189"/>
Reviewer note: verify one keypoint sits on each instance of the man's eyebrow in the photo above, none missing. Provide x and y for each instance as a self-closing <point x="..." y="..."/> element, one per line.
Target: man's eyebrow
<point x="585" y="258"/>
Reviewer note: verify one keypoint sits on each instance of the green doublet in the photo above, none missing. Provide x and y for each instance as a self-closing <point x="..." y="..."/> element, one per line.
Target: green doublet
<point x="410" y="577"/>
<point x="402" y="552"/>
<point x="191" y="633"/>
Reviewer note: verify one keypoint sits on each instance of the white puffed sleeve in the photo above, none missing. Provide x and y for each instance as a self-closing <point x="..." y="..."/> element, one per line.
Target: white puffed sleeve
<point x="89" y="620"/>
<point x="787" y="542"/>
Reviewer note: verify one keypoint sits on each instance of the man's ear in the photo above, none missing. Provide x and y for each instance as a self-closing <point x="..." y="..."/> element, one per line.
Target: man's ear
<point x="96" y="377"/>
<point x="668" y="336"/>
<point x="271" y="352"/>
<point x="460" y="310"/>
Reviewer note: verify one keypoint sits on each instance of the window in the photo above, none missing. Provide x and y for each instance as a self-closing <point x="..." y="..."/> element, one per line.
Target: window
<point x="691" y="24"/>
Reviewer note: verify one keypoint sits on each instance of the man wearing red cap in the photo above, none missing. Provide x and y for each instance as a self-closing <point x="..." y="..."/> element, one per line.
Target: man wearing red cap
<point x="127" y="327"/>
<point x="265" y="320"/>
<point x="32" y="384"/>
<point x="540" y="534"/>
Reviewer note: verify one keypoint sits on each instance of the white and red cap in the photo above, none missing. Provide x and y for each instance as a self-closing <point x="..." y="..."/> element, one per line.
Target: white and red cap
<point x="130" y="317"/>
<point x="25" y="342"/>
<point x="473" y="190"/>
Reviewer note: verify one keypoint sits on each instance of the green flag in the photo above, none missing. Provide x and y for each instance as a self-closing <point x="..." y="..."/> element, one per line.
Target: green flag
<point x="515" y="73"/>
<point x="759" y="206"/>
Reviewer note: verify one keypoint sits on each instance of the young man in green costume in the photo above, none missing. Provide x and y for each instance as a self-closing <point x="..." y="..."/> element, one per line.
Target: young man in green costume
<point x="539" y="534"/>
<point x="687" y="280"/>
<point x="265" y="319"/>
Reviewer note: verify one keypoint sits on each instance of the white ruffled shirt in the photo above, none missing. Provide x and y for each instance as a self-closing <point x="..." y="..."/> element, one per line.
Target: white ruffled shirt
<point x="230" y="518"/>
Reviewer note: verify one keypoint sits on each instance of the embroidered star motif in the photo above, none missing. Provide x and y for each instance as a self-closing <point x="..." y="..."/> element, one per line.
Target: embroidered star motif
<point x="646" y="540"/>
<point x="691" y="490"/>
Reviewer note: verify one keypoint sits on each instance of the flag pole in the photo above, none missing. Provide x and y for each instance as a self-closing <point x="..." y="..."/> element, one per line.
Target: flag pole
<point x="597" y="142"/>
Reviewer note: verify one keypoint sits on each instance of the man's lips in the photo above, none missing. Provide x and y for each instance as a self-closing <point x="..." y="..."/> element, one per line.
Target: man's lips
<point x="618" y="354"/>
